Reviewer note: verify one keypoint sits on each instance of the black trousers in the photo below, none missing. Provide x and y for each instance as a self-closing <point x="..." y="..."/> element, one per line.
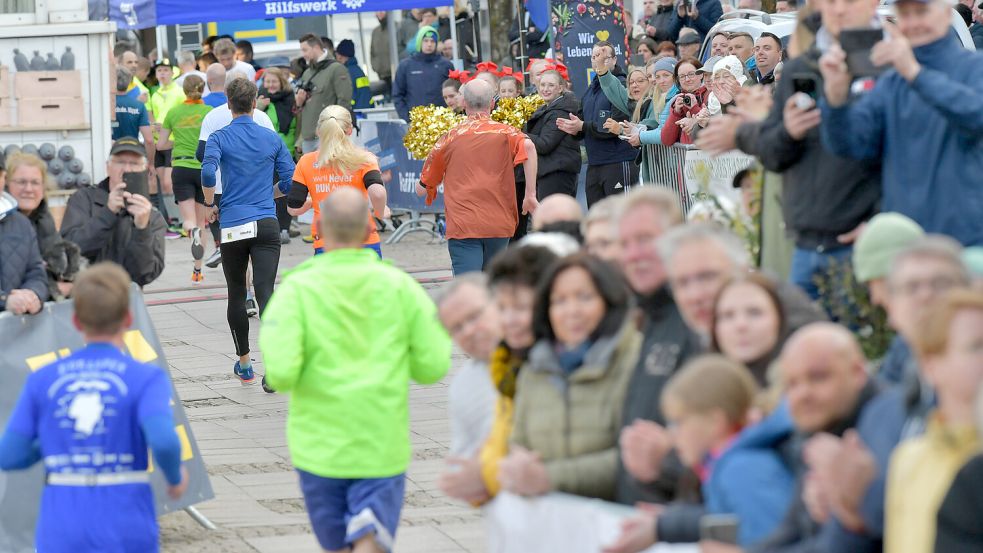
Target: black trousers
<point x="523" y="227"/>
<point x="557" y="182"/>
<point x="215" y="227"/>
<point x="264" y="252"/>
<point x="282" y="216"/>
<point x="608" y="180"/>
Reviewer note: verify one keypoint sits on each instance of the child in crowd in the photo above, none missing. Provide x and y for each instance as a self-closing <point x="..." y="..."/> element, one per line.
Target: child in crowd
<point x="508" y="87"/>
<point x="707" y="405"/>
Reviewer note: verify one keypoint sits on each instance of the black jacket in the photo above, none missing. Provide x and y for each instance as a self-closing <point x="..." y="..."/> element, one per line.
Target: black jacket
<point x="557" y="150"/>
<point x="667" y="344"/>
<point x="21" y="267"/>
<point x="106" y="236"/>
<point x="959" y="523"/>
<point x="798" y="532"/>
<point x="823" y="195"/>
<point x="62" y="259"/>
<point x="537" y="41"/>
<point x="664" y="25"/>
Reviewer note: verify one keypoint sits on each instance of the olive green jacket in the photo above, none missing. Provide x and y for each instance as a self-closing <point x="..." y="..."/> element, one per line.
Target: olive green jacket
<point x="573" y="421"/>
<point x="330" y="85"/>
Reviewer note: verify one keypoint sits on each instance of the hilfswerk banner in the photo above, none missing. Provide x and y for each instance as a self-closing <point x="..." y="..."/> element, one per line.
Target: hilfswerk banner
<point x="28" y="343"/>
<point x="172" y="12"/>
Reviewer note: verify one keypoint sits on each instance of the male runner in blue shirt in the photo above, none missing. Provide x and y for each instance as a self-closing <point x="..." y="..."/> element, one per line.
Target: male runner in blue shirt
<point x="91" y="417"/>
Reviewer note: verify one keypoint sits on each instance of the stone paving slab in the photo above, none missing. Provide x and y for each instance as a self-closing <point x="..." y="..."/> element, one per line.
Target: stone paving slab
<point x="240" y="430"/>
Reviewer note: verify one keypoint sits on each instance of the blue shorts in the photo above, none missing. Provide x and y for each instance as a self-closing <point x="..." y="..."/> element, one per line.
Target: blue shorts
<point x="377" y="248"/>
<point x="342" y="511"/>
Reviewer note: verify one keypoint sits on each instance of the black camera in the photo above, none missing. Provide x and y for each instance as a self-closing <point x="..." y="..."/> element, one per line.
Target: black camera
<point x="306" y="86"/>
<point x="687" y="100"/>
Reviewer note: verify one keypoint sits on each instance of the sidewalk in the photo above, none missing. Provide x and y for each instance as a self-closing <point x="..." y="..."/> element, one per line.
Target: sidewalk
<point x="241" y="430"/>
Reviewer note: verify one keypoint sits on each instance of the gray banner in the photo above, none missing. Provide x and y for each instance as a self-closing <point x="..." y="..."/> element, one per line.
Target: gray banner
<point x="30" y="342"/>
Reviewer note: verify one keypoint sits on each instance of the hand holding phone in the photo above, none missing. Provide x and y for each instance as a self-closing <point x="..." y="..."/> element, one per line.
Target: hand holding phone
<point x="858" y="45"/>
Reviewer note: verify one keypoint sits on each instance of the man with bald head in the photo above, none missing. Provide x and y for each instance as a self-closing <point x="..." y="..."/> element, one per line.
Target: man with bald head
<point x="825" y="386"/>
<point x="559" y="213"/>
<point x="476" y="162"/>
<point x="348" y="373"/>
<point x="215" y="76"/>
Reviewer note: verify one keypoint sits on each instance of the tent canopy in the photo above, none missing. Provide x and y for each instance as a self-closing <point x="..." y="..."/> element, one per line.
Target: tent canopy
<point x="142" y="14"/>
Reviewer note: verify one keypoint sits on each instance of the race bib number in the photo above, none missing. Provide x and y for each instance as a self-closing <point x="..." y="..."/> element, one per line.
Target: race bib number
<point x="241" y="232"/>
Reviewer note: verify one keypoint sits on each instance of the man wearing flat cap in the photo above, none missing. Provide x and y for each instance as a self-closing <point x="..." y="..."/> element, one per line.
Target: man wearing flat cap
<point x="114" y="220"/>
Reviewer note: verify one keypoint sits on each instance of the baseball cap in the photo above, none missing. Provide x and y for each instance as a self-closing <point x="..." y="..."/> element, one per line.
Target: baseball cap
<point x="688" y="38"/>
<point x="127" y="144"/>
<point x="164" y="62"/>
<point x="708" y="65"/>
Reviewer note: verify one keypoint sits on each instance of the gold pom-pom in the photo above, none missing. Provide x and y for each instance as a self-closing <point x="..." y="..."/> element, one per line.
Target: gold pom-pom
<point x="427" y="125"/>
<point x="517" y="111"/>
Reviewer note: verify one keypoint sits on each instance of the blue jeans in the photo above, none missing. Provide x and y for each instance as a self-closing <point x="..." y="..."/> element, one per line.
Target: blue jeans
<point x="473" y="254"/>
<point x="808" y="265"/>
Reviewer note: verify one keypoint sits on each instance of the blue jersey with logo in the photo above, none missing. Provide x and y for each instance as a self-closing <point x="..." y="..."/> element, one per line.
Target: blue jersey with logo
<point x="131" y="114"/>
<point x="86" y="412"/>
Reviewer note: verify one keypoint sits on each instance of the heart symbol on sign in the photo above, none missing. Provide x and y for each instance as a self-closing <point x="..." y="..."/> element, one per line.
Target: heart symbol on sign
<point x="602" y="35"/>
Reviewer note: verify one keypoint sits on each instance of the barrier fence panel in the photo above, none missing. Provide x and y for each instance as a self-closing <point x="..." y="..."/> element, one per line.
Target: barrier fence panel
<point x="29" y="343"/>
<point x="400" y="173"/>
<point x="663" y="166"/>
<point x="559" y="522"/>
<point x="691" y="173"/>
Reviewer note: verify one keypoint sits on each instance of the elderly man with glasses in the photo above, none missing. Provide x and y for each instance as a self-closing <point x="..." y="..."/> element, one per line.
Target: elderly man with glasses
<point x="114" y="220"/>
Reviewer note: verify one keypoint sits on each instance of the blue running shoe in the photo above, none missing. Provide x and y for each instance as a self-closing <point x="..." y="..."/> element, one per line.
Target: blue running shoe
<point x="246" y="375"/>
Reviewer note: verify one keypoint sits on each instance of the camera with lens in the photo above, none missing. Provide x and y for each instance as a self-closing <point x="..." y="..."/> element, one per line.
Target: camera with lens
<point x="307" y="87"/>
<point x="687" y="100"/>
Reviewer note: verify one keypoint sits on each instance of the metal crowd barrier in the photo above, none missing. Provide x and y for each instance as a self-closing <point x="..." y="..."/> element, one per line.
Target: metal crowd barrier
<point x="690" y="173"/>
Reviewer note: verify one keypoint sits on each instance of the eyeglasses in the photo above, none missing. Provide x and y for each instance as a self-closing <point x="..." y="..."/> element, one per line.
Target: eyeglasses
<point x="935" y="285"/>
<point x="132" y="165"/>
<point x="688" y="75"/>
<point x="26" y="183"/>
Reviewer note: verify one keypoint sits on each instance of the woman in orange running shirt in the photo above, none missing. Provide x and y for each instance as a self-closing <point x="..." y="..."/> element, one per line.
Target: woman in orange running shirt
<point x="337" y="163"/>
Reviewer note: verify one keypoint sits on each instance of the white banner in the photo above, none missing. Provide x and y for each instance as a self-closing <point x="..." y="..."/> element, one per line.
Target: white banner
<point x="706" y="173"/>
<point x="559" y="522"/>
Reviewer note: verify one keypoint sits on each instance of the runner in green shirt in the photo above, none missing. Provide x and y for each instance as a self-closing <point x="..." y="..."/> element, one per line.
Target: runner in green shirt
<point x="179" y="136"/>
<point x="344" y="334"/>
<point x="162" y="100"/>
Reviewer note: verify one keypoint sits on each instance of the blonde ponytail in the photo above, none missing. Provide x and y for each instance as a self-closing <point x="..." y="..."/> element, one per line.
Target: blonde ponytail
<point x="336" y="151"/>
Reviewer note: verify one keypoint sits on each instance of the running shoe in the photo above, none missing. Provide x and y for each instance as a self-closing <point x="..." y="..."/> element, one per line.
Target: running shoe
<point x="197" y="277"/>
<point x="284" y="237"/>
<point x="252" y="308"/>
<point x="294" y="229"/>
<point x="215" y="259"/>
<point x="309" y="238"/>
<point x="197" y="248"/>
<point x="266" y="387"/>
<point x="171" y="235"/>
<point x="246" y="375"/>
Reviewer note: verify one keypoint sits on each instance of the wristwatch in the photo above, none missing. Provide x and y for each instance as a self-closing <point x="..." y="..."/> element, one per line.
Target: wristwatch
<point x="208" y="205"/>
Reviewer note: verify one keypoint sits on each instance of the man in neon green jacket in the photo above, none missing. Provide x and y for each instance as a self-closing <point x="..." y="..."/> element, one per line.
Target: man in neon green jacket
<point x="344" y="334"/>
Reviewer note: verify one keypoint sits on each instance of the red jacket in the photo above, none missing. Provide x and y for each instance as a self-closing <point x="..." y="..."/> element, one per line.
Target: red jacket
<point x="673" y="133"/>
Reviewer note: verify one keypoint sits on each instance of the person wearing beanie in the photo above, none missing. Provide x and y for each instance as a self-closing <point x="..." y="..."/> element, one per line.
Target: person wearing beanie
<point x="973" y="259"/>
<point x="419" y="78"/>
<point x="885" y="235"/>
<point x="361" y="94"/>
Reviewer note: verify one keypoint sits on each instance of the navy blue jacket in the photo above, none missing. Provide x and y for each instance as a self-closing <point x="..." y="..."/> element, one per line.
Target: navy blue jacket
<point x="361" y="94"/>
<point x="603" y="148"/>
<point x="419" y="82"/>
<point x="21" y="267"/>
<point x="930" y="135"/>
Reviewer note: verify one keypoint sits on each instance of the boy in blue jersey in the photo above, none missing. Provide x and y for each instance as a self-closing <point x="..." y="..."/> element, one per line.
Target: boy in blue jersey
<point x="90" y="418"/>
